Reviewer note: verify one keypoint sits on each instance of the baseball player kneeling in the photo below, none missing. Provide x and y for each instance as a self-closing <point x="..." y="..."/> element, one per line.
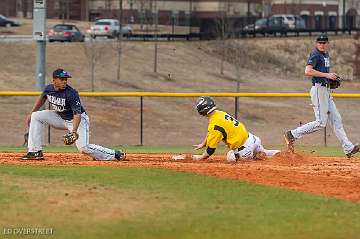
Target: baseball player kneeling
<point x="67" y="113"/>
<point x="222" y="126"/>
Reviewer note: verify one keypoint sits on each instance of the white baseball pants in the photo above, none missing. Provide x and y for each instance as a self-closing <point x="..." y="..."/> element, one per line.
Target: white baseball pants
<point x="40" y="118"/>
<point x="248" y="151"/>
<point x="324" y="109"/>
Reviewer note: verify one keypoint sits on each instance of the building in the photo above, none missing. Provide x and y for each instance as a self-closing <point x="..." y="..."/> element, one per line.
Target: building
<point x="135" y="9"/>
<point x="8" y="8"/>
<point x="321" y="13"/>
<point x="317" y="13"/>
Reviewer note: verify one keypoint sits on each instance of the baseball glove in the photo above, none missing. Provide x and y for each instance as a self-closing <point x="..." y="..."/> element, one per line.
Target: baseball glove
<point x="26" y="138"/>
<point x="70" y="138"/>
<point x="335" y="83"/>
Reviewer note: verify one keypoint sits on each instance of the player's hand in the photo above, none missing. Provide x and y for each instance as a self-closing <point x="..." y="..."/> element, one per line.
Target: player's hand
<point x="27" y="120"/>
<point x="198" y="146"/>
<point x="332" y="76"/>
<point x="196" y="157"/>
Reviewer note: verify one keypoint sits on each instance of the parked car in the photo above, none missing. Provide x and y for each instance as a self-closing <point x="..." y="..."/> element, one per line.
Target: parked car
<point x="259" y="24"/>
<point x="6" y="22"/>
<point x="65" y="32"/>
<point x="109" y="28"/>
<point x="266" y="25"/>
<point x="287" y="19"/>
<point x="299" y="23"/>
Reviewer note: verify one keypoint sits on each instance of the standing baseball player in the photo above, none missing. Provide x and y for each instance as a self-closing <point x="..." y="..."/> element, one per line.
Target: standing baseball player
<point x="318" y="67"/>
<point x="67" y="113"/>
<point x="222" y="126"/>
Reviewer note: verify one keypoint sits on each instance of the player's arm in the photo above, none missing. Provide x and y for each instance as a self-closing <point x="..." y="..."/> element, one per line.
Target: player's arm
<point x="38" y="103"/>
<point x="76" y="108"/>
<point x="212" y="140"/>
<point x="201" y="145"/>
<point x="310" y="71"/>
<point x="76" y="122"/>
<point x="206" y="154"/>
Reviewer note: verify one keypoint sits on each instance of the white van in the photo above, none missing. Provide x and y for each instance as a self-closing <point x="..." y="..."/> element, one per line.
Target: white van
<point x="109" y="28"/>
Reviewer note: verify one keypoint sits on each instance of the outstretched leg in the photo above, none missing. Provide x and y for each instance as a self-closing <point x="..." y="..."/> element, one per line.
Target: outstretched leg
<point x="335" y="118"/>
<point x="97" y="152"/>
<point x="320" y="96"/>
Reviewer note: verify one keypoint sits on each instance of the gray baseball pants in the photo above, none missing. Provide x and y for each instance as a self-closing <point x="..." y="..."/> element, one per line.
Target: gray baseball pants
<point x="324" y="109"/>
<point x="50" y="117"/>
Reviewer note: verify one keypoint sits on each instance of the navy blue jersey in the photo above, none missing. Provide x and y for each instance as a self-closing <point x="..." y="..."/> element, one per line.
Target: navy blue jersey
<point x="65" y="102"/>
<point x="320" y="62"/>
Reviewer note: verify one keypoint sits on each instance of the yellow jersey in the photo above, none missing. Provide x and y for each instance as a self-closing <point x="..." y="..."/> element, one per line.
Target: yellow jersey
<point x="224" y="127"/>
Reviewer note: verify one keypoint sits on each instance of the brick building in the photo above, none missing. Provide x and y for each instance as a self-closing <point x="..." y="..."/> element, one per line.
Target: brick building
<point x="8" y="7"/>
<point x="91" y="9"/>
<point x="317" y="13"/>
<point x="321" y="13"/>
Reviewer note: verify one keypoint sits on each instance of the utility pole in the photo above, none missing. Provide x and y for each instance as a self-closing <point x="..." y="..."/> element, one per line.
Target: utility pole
<point x="120" y="12"/>
<point x="156" y="15"/>
<point x="39" y="35"/>
<point x="190" y="15"/>
<point x="344" y="15"/>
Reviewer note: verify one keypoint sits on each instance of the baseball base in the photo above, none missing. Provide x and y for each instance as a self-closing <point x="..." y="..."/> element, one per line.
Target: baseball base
<point x="178" y="157"/>
<point x="183" y="157"/>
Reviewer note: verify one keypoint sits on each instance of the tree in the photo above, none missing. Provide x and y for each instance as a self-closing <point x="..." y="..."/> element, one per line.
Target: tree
<point x="356" y="61"/>
<point x="221" y="31"/>
<point x="93" y="51"/>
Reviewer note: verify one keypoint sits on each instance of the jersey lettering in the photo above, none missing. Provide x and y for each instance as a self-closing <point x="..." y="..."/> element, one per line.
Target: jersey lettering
<point x="58" y="104"/>
<point x="235" y="121"/>
<point x="327" y="61"/>
<point x="56" y="101"/>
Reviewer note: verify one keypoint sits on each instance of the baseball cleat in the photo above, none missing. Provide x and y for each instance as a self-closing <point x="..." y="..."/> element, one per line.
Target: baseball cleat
<point x="289" y="138"/>
<point x="33" y="156"/>
<point x="355" y="150"/>
<point x="120" y="155"/>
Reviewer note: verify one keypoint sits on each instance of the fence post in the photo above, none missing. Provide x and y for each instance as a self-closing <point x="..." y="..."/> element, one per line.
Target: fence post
<point x="49" y="131"/>
<point x="325" y="139"/>
<point x="236" y="106"/>
<point x="141" y="120"/>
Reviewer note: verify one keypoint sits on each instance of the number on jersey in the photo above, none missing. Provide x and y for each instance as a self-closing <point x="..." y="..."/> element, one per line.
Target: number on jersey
<point x="235" y="121"/>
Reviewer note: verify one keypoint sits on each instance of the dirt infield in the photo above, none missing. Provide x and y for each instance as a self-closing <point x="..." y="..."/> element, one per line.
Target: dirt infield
<point x="327" y="176"/>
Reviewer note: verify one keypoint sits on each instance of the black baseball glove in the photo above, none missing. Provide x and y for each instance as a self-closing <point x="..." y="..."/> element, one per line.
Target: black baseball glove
<point x="335" y="83"/>
<point x="70" y="138"/>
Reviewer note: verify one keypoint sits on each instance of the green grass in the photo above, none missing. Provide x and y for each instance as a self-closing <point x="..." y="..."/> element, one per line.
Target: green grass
<point x="315" y="150"/>
<point x="93" y="202"/>
<point x="155" y="203"/>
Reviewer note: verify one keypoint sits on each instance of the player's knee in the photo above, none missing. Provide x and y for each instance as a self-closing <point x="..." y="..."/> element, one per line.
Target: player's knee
<point x="83" y="149"/>
<point x="320" y="123"/>
<point x="35" y="115"/>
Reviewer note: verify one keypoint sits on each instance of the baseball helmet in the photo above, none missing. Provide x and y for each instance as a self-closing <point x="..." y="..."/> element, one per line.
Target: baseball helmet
<point x="205" y="105"/>
<point x="60" y="73"/>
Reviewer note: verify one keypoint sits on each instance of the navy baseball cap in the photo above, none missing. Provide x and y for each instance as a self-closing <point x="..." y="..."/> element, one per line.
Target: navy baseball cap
<point x="60" y="73"/>
<point x="323" y="37"/>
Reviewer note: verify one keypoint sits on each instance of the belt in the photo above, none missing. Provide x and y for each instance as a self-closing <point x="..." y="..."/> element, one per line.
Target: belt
<point x="322" y="84"/>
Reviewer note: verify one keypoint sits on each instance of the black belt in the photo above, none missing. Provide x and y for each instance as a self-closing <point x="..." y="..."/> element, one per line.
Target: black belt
<point x="322" y="84"/>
